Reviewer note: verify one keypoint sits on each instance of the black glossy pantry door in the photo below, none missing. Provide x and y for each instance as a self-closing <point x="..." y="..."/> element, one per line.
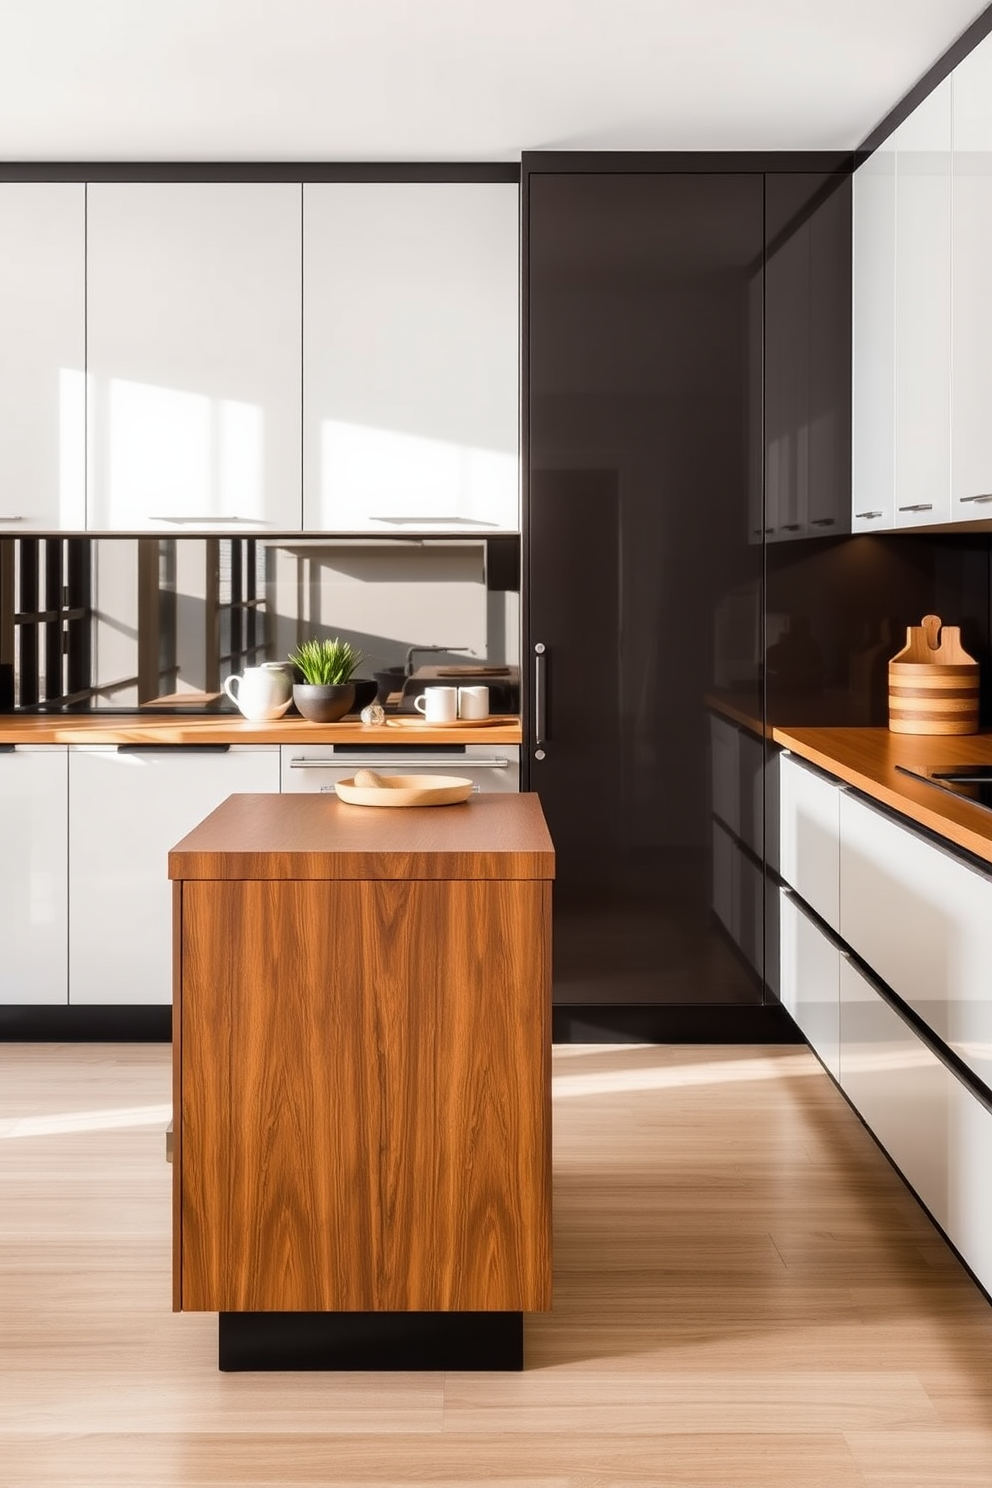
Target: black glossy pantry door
<point x="643" y="579"/>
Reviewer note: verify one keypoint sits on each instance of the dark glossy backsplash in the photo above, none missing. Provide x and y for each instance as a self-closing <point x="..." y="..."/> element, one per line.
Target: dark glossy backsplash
<point x="837" y="611"/>
<point x="122" y="623"/>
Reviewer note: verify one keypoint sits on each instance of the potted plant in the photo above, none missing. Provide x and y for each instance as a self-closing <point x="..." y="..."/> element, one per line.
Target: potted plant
<point x="327" y="692"/>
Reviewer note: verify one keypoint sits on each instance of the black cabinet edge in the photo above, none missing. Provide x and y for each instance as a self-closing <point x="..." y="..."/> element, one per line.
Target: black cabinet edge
<point x="261" y="172"/>
<point x="932" y="78"/>
<point x="100" y="1024"/>
<point x="677" y="1023"/>
<point x="371" y="1340"/>
<point x="698" y="162"/>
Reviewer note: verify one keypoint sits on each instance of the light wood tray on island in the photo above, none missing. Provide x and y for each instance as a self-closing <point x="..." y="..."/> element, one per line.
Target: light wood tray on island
<point x="406" y="790"/>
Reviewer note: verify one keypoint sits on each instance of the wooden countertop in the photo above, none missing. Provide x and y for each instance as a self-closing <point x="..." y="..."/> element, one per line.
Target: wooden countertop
<point x="866" y="758"/>
<point x="491" y="836"/>
<point x="163" y="728"/>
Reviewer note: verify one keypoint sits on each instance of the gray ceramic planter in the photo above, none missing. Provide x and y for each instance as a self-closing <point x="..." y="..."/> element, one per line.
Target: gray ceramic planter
<point x="324" y="704"/>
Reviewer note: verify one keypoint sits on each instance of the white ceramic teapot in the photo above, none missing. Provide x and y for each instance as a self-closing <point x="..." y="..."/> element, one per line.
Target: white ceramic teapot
<point x="261" y="693"/>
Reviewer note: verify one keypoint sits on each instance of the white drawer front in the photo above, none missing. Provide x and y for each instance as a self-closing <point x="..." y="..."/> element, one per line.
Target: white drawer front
<point x="810" y="988"/>
<point x="922" y="919"/>
<point x="809" y="837"/>
<point x="935" y="1130"/>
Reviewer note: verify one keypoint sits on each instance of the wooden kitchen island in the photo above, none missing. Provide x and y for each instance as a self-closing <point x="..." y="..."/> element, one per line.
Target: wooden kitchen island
<point x="362" y="1080"/>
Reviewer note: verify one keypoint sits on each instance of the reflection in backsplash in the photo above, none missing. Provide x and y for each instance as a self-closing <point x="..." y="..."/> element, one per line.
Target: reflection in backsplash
<point x="837" y="611"/>
<point x="168" y="619"/>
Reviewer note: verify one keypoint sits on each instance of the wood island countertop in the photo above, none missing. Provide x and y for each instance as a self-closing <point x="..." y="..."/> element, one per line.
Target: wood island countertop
<point x="165" y="728"/>
<point x="866" y="758"/>
<point x="498" y="835"/>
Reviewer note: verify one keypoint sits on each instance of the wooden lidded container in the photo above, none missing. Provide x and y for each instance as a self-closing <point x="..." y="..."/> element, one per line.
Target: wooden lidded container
<point x="933" y="682"/>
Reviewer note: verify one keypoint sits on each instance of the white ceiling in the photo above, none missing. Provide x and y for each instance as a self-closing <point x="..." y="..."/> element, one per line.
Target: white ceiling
<point x="259" y="80"/>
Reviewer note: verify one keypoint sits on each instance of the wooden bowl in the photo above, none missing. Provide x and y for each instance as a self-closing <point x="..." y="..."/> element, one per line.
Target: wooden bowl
<point x="407" y="790"/>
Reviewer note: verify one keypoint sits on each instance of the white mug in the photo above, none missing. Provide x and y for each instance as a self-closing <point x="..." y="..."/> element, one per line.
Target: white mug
<point x="473" y="702"/>
<point x="438" y="704"/>
<point x="262" y="693"/>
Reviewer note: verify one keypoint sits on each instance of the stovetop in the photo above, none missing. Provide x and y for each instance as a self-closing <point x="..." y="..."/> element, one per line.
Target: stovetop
<point x="967" y="782"/>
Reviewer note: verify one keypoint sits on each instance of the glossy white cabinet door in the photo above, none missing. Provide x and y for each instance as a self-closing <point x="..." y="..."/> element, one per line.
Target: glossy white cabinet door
<point x="933" y="1127"/>
<point x="34" y="875"/>
<point x="194" y="356"/>
<point x="872" y="472"/>
<point x="922" y="147"/>
<point x="126" y="810"/>
<point x="897" y="1085"/>
<point x="42" y="349"/>
<point x="971" y="452"/>
<point x="411" y="352"/>
<point x="809" y="980"/>
<point x="921" y="918"/>
<point x="809" y="828"/>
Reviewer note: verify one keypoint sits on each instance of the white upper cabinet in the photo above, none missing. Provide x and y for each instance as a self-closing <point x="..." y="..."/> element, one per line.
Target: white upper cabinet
<point x="872" y="473"/>
<point x="193" y="357"/>
<point x="411" y="357"/>
<point x="922" y="421"/>
<point x="971" y="459"/>
<point x="42" y="344"/>
<point x="902" y="324"/>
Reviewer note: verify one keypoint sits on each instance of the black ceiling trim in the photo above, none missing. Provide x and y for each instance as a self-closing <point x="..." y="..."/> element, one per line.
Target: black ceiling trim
<point x="699" y="162"/>
<point x="275" y="171"/>
<point x="945" y="64"/>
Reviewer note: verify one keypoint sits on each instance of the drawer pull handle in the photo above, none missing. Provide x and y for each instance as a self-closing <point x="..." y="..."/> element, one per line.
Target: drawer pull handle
<point x="985" y="496"/>
<point x="865" y="515"/>
<point x="205" y="519"/>
<point x="918" y="506"/>
<point x="390" y="762"/>
<point x="822" y="522"/>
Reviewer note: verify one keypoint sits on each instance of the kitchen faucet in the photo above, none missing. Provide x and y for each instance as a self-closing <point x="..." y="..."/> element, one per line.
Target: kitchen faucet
<point x="413" y="650"/>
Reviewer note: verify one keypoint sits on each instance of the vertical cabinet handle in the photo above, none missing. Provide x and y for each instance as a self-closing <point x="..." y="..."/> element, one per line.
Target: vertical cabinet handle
<point x="540" y="693"/>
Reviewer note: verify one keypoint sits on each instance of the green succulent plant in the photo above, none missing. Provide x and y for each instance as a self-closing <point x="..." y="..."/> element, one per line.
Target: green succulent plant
<point x="326" y="663"/>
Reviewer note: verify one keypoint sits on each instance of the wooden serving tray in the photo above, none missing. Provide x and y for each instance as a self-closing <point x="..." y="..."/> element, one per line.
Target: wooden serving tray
<point x="494" y="720"/>
<point x="407" y="790"/>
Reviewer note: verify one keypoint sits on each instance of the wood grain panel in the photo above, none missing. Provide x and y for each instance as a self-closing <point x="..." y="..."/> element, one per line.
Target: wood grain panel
<point x="163" y="728"/>
<point x="494" y="835"/>
<point x="867" y="758"/>
<point x="365" y="1096"/>
<point x="177" y="1094"/>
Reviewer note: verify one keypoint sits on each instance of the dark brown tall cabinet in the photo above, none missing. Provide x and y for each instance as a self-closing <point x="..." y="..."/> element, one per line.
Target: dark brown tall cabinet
<point x="643" y="592"/>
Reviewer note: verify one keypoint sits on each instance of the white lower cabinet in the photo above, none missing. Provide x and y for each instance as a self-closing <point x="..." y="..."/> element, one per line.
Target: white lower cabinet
<point x="34" y="876"/>
<point x="809" y="858"/>
<point x="937" y="1132"/>
<point x="921" y="918"/>
<point x="809" y="980"/>
<point x="127" y="808"/>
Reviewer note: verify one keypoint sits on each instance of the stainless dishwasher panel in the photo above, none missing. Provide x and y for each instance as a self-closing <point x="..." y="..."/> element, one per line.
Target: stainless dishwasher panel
<point x="491" y="767"/>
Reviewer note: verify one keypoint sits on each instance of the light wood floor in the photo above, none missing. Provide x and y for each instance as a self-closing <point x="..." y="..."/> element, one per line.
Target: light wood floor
<point x="745" y="1295"/>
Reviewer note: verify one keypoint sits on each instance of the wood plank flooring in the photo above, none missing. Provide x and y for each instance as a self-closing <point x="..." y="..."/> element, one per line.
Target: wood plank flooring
<point x="745" y="1294"/>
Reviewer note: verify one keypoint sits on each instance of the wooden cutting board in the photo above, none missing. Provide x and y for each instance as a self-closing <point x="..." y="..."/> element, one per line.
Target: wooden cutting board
<point x="933" y="682"/>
